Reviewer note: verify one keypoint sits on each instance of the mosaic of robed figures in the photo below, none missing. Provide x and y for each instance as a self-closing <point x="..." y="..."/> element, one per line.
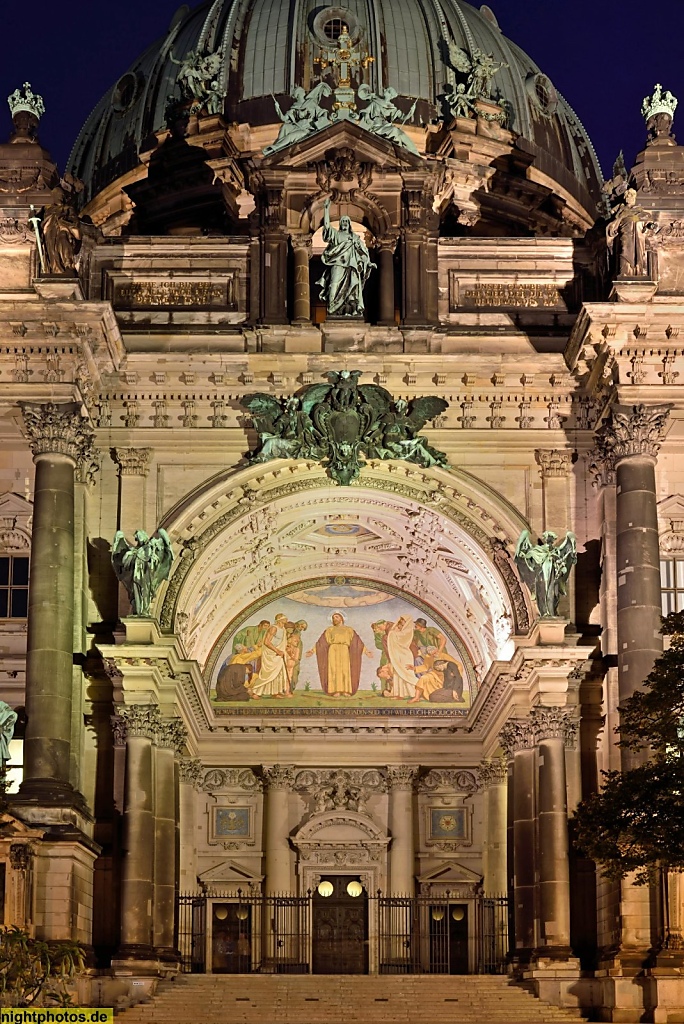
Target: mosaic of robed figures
<point x="340" y="646"/>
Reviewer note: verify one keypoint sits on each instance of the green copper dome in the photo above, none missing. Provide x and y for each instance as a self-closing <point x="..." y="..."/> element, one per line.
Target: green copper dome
<point x="269" y="46"/>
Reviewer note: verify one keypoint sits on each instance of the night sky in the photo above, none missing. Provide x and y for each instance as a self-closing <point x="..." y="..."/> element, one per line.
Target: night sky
<point x="603" y="55"/>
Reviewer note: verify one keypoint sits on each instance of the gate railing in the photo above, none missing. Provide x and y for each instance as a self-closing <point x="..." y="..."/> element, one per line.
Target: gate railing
<point x="245" y="933"/>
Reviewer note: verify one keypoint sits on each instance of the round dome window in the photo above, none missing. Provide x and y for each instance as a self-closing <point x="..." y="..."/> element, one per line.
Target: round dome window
<point x="125" y="93"/>
<point x="542" y="94"/>
<point x="330" y="23"/>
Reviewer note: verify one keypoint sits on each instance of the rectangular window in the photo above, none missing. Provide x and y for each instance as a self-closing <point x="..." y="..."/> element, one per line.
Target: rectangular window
<point x="14" y="579"/>
<point x="672" y="584"/>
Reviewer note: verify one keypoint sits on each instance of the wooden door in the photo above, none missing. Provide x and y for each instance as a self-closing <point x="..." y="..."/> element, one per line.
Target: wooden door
<point x="340" y="929"/>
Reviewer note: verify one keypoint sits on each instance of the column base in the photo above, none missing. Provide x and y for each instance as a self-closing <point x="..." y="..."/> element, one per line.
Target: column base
<point x="50" y="793"/>
<point x="554" y="955"/>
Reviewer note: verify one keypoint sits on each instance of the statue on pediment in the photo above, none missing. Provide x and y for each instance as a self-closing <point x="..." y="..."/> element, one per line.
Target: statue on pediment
<point x="380" y="116"/>
<point x="142" y="567"/>
<point x="480" y="67"/>
<point x="304" y="117"/>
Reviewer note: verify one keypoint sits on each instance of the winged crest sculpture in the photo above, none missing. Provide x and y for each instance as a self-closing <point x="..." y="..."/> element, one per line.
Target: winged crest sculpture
<point x="341" y="424"/>
<point x="545" y="568"/>
<point x="142" y="567"/>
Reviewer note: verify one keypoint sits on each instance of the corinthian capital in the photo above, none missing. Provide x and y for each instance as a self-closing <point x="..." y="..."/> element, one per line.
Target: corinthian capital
<point x="492" y="771"/>
<point x="279" y="776"/>
<point x="191" y="772"/>
<point x="517" y="734"/>
<point x="401" y="776"/>
<point x="141" y="720"/>
<point x="632" y="430"/>
<point x="58" y="430"/>
<point x="553" y="463"/>
<point x="132" y="461"/>
<point x="551" y="723"/>
<point x="173" y="734"/>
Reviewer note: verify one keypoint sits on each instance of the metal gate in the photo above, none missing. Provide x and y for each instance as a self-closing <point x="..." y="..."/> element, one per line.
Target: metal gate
<point x="241" y="933"/>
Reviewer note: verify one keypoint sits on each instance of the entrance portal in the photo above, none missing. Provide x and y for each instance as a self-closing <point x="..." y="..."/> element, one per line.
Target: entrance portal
<point x="340" y="926"/>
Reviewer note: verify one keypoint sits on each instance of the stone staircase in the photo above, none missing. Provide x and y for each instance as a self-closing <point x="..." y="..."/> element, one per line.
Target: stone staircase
<point x="343" y="999"/>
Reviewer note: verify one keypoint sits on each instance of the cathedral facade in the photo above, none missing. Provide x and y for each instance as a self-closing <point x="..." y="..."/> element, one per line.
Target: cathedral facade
<point x="341" y="500"/>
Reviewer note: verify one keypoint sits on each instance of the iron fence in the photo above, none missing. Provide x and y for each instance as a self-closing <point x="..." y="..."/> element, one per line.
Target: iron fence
<point x="245" y="933"/>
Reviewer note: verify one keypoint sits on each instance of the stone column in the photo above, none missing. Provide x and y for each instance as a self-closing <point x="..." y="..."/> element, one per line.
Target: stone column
<point x="402" y="854"/>
<point x="493" y="775"/>
<point x="191" y="774"/>
<point x="518" y="741"/>
<point x="386" y="247"/>
<point x="278" y="855"/>
<point x="302" y="249"/>
<point x="60" y="439"/>
<point x="139" y="723"/>
<point x="555" y="727"/>
<point x="170" y="740"/>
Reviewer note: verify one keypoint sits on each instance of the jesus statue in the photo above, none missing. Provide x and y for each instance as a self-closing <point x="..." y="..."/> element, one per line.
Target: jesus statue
<point x="347" y="268"/>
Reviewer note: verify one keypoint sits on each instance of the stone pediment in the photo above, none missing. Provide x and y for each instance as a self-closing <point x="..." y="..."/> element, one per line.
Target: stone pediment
<point x="340" y="826"/>
<point x="13" y="828"/>
<point x="449" y="873"/>
<point x="343" y="135"/>
<point x="229" y="874"/>
<point x="671" y="524"/>
<point x="15" y="522"/>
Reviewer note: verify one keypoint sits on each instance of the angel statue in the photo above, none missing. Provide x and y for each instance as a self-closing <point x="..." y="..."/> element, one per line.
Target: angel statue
<point x="545" y="568"/>
<point x="198" y="80"/>
<point x="381" y="113"/>
<point x="8" y="719"/>
<point x="480" y="69"/>
<point x="142" y="567"/>
<point x="401" y="426"/>
<point x="304" y="117"/>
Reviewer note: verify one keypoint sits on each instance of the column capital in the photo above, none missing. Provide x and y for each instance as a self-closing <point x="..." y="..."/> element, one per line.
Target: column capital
<point x="171" y="734"/>
<point x="58" y="429"/>
<point x="401" y="776"/>
<point x="387" y="243"/>
<point x="632" y="431"/>
<point x="279" y="776"/>
<point x="302" y="242"/>
<point x="517" y="734"/>
<point x="132" y="461"/>
<point x="141" y="720"/>
<point x="553" y="462"/>
<point x="492" y="771"/>
<point x="191" y="772"/>
<point x="554" y="723"/>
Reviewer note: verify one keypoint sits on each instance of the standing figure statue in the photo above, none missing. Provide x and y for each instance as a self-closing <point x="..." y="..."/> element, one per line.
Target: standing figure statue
<point x="61" y="228"/>
<point x="347" y="268"/>
<point x="305" y="116"/>
<point x="142" y="567"/>
<point x="8" y="719"/>
<point x="545" y="568"/>
<point x="626" y="236"/>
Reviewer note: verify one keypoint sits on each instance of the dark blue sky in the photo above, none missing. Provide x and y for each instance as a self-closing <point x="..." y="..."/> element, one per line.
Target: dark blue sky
<point x="603" y="55"/>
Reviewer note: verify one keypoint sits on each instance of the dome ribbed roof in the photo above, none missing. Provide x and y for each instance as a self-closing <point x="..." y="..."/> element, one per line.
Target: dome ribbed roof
<point x="269" y="45"/>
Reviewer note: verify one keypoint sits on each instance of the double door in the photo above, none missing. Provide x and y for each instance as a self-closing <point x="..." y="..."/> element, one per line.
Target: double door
<point x="340" y="926"/>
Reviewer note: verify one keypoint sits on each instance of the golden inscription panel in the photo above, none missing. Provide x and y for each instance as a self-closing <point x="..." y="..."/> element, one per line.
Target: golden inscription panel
<point x="175" y="294"/>
<point x="510" y="296"/>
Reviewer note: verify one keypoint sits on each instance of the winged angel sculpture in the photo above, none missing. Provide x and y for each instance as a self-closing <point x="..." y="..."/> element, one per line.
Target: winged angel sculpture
<point x="142" y="567"/>
<point x="480" y="69"/>
<point x="545" y="568"/>
<point x="342" y="423"/>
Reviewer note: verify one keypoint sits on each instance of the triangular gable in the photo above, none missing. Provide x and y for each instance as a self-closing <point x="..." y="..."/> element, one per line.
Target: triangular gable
<point x="227" y="872"/>
<point x="450" y="872"/>
<point x="342" y="134"/>
<point x="15" y="516"/>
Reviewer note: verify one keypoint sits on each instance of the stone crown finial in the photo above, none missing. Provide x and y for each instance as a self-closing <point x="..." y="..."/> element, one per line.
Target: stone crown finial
<point x="659" y="103"/>
<point x="26" y="99"/>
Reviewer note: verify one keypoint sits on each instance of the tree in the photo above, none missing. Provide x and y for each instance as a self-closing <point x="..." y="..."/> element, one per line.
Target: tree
<point x="636" y="822"/>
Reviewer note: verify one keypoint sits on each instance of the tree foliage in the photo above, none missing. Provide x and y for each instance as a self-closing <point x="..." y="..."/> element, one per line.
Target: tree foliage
<point x="34" y="973"/>
<point x="636" y="822"/>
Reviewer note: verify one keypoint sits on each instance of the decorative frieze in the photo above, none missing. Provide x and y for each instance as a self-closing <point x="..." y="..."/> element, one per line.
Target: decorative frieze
<point x="455" y="780"/>
<point x="58" y="430"/>
<point x="132" y="461"/>
<point x="553" y="463"/>
<point x="339" y="789"/>
<point x="632" y="431"/>
<point x="216" y="779"/>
